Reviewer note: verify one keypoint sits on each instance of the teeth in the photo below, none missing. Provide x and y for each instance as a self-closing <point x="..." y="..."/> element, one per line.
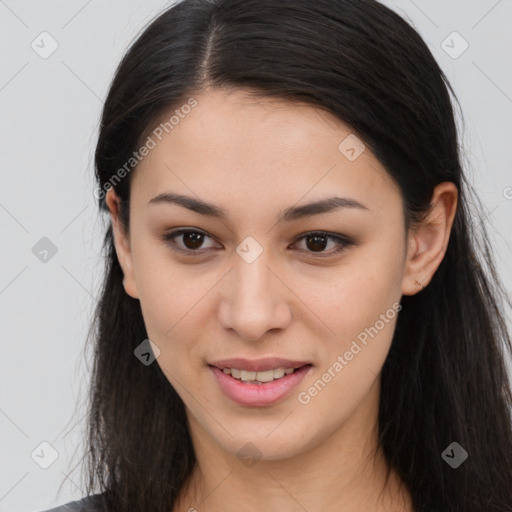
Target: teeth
<point x="279" y="372"/>
<point x="265" y="376"/>
<point x="245" y="375"/>
<point x="258" y="377"/>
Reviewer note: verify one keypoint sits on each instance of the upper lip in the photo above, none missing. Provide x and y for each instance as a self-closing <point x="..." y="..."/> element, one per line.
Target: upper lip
<point x="258" y="365"/>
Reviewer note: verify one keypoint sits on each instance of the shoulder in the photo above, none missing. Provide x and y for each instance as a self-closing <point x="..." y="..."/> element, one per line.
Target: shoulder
<point x="87" y="504"/>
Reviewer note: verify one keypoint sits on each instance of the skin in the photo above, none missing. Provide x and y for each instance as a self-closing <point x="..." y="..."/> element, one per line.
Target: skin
<point x="255" y="158"/>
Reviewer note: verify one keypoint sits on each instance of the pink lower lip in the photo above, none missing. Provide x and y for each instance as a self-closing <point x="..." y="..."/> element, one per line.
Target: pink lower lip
<point x="258" y="395"/>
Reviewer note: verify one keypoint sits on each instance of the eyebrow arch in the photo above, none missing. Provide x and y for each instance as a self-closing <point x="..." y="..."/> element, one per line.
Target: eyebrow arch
<point x="292" y="213"/>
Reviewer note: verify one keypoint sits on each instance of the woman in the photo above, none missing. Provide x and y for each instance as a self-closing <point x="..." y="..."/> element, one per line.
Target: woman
<point x="290" y="229"/>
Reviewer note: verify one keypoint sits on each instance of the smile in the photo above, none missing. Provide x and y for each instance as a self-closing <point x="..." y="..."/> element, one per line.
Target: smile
<point x="258" y="389"/>
<point x="258" y="377"/>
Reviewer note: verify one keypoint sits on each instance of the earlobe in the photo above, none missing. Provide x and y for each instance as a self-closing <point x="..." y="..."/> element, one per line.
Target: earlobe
<point x="122" y="244"/>
<point x="429" y="241"/>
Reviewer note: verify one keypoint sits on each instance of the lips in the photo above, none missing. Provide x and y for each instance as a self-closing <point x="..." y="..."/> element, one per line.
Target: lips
<point x="261" y="394"/>
<point x="258" y="365"/>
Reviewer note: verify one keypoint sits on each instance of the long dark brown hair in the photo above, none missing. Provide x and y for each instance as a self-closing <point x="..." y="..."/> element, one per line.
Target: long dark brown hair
<point x="445" y="377"/>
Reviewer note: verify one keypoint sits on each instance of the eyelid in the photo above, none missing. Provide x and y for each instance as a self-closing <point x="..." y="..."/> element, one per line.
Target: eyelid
<point x="344" y="240"/>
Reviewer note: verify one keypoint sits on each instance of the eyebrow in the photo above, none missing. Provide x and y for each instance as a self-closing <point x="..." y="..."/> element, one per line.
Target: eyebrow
<point x="292" y="213"/>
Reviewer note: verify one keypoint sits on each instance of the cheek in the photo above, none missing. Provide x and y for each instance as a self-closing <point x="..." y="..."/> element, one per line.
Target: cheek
<point x="163" y="293"/>
<point x="360" y="304"/>
<point x="175" y="304"/>
<point x="365" y="286"/>
<point x="362" y="313"/>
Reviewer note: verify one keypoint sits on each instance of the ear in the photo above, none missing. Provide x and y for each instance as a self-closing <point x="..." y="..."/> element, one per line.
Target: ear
<point x="428" y="242"/>
<point x="122" y="244"/>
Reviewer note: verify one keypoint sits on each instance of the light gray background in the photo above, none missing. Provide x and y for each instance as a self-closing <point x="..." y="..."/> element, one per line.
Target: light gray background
<point x="49" y="112"/>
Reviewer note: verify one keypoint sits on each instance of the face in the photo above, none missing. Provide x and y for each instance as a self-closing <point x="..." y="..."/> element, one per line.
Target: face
<point x="271" y="278"/>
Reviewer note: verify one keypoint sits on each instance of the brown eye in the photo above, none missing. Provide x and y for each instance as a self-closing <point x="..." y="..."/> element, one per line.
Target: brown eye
<point x="317" y="242"/>
<point x="191" y="242"/>
<point x="193" y="239"/>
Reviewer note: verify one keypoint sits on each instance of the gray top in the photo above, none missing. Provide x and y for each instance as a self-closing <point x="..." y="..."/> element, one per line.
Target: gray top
<point x="94" y="504"/>
<point x="87" y="504"/>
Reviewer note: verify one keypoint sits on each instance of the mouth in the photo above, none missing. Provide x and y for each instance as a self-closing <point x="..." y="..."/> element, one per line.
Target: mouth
<point x="261" y="377"/>
<point x="261" y="388"/>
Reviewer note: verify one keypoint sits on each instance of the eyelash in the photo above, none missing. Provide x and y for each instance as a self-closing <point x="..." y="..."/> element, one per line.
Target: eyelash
<point x="168" y="238"/>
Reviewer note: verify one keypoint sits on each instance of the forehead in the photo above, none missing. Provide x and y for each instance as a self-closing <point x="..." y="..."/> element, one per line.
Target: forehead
<point x="232" y="145"/>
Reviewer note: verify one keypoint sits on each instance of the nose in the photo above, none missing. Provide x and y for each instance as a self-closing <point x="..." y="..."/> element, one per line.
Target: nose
<point x="254" y="300"/>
